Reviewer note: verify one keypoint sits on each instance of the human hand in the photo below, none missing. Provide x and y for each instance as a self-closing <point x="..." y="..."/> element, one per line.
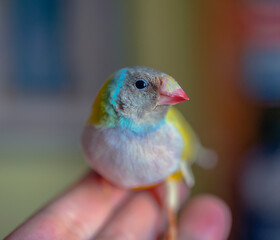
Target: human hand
<point x="95" y="209"/>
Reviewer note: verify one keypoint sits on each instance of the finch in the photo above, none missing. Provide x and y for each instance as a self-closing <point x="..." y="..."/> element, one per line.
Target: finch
<point x="136" y="139"/>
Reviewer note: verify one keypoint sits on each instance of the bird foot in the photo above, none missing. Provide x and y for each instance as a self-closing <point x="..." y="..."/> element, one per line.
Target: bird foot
<point x="171" y="233"/>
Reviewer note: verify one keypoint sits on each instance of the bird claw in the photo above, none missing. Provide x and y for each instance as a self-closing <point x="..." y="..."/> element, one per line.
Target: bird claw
<point x="171" y="233"/>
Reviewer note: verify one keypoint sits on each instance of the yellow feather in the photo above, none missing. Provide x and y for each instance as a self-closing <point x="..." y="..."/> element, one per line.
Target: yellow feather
<point x="191" y="144"/>
<point x="189" y="137"/>
<point x="97" y="112"/>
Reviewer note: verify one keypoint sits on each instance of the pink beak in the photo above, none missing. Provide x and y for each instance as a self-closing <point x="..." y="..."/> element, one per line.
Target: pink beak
<point x="171" y="93"/>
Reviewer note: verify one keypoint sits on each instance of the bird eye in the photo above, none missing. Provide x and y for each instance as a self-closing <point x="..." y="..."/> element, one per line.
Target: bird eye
<point x="141" y="84"/>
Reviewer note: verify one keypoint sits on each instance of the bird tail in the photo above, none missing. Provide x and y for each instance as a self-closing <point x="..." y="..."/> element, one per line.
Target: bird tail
<point x="206" y="158"/>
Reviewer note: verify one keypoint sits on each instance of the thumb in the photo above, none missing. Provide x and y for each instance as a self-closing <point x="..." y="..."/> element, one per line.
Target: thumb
<point x="205" y="218"/>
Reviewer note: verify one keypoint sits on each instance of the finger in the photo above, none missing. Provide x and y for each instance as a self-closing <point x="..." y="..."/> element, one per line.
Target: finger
<point x="138" y="219"/>
<point x="205" y="218"/>
<point x="77" y="214"/>
<point x="159" y="194"/>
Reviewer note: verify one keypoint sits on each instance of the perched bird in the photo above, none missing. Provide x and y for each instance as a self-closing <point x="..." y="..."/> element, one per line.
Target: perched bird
<point x="135" y="139"/>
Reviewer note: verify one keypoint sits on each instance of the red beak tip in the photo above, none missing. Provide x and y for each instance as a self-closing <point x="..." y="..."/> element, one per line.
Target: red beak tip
<point x="173" y="97"/>
<point x="172" y="100"/>
<point x="184" y="95"/>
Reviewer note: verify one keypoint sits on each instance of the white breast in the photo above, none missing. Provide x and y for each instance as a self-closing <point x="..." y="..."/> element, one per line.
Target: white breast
<point x="131" y="160"/>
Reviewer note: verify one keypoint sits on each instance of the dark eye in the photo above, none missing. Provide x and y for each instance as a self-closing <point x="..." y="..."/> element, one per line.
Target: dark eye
<point x="141" y="84"/>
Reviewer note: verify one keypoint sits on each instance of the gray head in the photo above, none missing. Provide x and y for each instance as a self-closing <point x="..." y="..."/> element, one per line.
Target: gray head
<point x="142" y="94"/>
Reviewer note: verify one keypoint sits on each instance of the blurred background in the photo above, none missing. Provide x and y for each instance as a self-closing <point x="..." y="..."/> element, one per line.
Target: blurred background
<point x="55" y="54"/>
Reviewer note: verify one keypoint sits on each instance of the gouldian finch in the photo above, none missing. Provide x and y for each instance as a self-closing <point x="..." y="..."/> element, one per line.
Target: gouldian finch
<point x="135" y="138"/>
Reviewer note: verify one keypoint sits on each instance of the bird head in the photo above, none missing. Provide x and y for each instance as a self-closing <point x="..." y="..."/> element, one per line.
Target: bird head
<point x="137" y="97"/>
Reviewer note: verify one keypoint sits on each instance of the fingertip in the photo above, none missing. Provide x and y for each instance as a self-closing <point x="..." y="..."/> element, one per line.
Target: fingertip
<point x="207" y="218"/>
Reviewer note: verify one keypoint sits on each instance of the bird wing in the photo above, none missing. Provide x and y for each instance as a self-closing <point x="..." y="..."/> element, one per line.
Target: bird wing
<point x="193" y="150"/>
<point x="191" y="146"/>
<point x="190" y="139"/>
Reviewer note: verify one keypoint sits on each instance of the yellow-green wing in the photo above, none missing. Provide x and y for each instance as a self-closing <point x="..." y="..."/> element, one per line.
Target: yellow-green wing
<point x="189" y="137"/>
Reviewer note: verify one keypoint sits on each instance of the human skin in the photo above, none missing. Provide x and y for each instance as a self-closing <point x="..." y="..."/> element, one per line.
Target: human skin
<point x="96" y="209"/>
